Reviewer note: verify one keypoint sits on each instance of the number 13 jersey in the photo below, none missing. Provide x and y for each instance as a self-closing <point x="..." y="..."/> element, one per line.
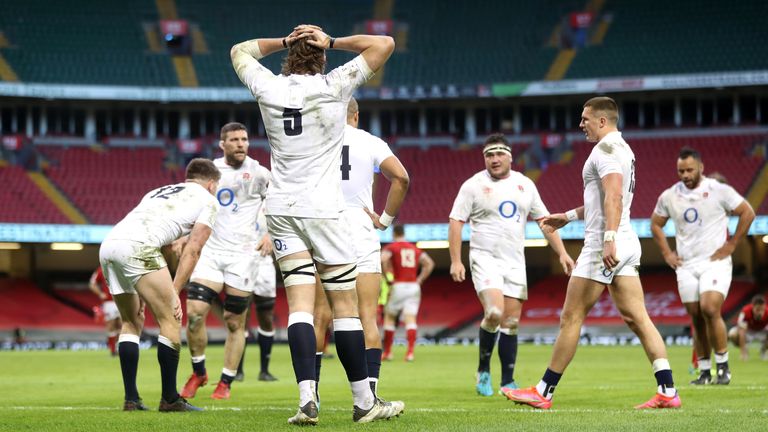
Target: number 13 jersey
<point x="167" y="213"/>
<point x="497" y="211"/>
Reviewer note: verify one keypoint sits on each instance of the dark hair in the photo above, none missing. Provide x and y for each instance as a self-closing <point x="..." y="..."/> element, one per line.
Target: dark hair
<point x="687" y="152"/>
<point x="398" y="230"/>
<point x="303" y="59"/>
<point x="606" y="105"/>
<point x="202" y="169"/>
<point x="758" y="300"/>
<point x="496" y="138"/>
<point x="231" y="127"/>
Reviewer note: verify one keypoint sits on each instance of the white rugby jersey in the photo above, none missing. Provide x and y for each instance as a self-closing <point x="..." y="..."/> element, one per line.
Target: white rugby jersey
<point x="304" y="116"/>
<point x="700" y="216"/>
<point x="361" y="156"/>
<point x="611" y="155"/>
<point x="261" y="231"/>
<point x="497" y="211"/>
<point x="241" y="193"/>
<point x="167" y="213"/>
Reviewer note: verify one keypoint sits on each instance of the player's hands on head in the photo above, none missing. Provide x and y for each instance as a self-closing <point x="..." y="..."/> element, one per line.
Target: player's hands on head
<point x="724" y="252"/>
<point x="609" y="255"/>
<point x="553" y="222"/>
<point x="458" y="272"/>
<point x="375" y="219"/>
<point x="314" y="34"/>
<point x="673" y="260"/>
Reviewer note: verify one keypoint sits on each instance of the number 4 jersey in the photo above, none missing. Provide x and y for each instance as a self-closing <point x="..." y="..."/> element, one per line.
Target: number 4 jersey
<point x="304" y="117"/>
<point x="167" y="213"/>
<point x="497" y="211"/>
<point x="241" y="193"/>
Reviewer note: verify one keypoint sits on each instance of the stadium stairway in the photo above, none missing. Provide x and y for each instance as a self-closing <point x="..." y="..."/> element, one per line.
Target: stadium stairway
<point x="57" y="198"/>
<point x="23" y="201"/>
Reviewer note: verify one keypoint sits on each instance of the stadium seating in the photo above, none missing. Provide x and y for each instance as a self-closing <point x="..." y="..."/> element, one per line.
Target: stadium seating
<point x="23" y="200"/>
<point x="110" y="46"/>
<point x="631" y="48"/>
<point x="661" y="299"/>
<point x="561" y="187"/>
<point x="26" y="306"/>
<point x="77" y="42"/>
<point x="106" y="184"/>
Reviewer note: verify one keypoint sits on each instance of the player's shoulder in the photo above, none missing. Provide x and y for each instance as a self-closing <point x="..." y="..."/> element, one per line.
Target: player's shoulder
<point x="717" y="186"/>
<point x="612" y="144"/>
<point x="522" y="179"/>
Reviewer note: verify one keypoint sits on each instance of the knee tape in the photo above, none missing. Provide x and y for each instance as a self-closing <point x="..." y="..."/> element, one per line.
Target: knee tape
<point x="200" y="292"/>
<point x="297" y="272"/>
<point x="342" y="278"/>
<point x="235" y="304"/>
<point x="265" y="304"/>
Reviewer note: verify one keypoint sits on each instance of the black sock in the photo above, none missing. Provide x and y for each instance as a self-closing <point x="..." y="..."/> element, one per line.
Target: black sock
<point x="265" y="350"/>
<point x="373" y="356"/>
<point x="301" y="340"/>
<point x="350" y="346"/>
<point x="551" y="378"/>
<point x="487" y="341"/>
<point x="226" y="379"/>
<point x="199" y="368"/>
<point x="168" y="358"/>
<point x="129" y="364"/>
<point x="664" y="379"/>
<point x="507" y="356"/>
<point x="318" y="365"/>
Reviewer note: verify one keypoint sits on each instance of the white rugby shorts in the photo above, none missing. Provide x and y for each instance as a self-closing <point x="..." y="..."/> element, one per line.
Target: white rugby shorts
<point x="124" y="262"/>
<point x="366" y="241"/>
<point x="696" y="277"/>
<point x="109" y="309"/>
<point x="404" y="297"/>
<point x="232" y="269"/>
<point x="263" y="282"/>
<point x="589" y="265"/>
<point x="328" y="240"/>
<point x="490" y="272"/>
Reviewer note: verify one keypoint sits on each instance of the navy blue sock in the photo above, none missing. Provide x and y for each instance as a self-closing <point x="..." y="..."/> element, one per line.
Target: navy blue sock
<point x="550" y="378"/>
<point x="318" y="365"/>
<point x="664" y="379"/>
<point x="350" y="346"/>
<point x="507" y="356"/>
<point x="129" y="364"/>
<point x="265" y="350"/>
<point x="373" y="356"/>
<point x="169" y="363"/>
<point x="487" y="341"/>
<point x="199" y="368"/>
<point x="226" y="379"/>
<point x="301" y="340"/>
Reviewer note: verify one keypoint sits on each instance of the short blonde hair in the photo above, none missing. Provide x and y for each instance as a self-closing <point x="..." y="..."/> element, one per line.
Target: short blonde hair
<point x="606" y="106"/>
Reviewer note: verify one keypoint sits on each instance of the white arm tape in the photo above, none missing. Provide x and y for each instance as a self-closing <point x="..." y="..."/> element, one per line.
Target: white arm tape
<point x="386" y="219"/>
<point x="571" y="215"/>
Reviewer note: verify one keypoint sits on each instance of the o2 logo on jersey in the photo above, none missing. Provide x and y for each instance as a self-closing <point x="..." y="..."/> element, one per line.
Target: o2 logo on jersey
<point x="228" y="195"/>
<point x="508" y="210"/>
<point x="279" y="245"/>
<point x="607" y="272"/>
<point x="691" y="215"/>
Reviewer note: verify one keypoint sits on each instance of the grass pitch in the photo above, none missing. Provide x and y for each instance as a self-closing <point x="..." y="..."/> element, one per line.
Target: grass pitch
<point x="82" y="391"/>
